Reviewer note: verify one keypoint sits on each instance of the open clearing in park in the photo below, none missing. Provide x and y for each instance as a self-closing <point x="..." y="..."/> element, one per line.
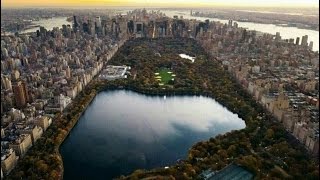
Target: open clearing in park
<point x="164" y="76"/>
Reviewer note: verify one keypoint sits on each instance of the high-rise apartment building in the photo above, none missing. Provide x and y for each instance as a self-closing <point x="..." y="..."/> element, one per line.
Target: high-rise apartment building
<point x="21" y="96"/>
<point x="311" y="45"/>
<point x="304" y="41"/>
<point x="278" y="37"/>
<point x="75" y="23"/>
<point x="98" y="22"/>
<point x="297" y="41"/>
<point x="230" y="23"/>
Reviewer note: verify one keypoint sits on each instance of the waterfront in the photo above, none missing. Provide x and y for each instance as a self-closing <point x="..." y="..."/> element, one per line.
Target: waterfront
<point x="48" y="24"/>
<point x="285" y="32"/>
<point x="122" y="131"/>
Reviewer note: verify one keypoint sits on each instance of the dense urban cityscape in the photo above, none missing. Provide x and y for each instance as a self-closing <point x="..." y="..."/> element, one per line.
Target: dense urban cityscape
<point x="44" y="73"/>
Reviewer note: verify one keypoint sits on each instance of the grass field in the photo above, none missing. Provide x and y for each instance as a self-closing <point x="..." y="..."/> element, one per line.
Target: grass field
<point x="164" y="76"/>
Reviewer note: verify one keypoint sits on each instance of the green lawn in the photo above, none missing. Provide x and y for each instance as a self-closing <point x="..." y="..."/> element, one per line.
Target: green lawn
<point x="165" y="75"/>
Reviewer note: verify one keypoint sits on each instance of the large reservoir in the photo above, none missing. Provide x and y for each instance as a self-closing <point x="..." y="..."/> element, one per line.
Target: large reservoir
<point x="122" y="131"/>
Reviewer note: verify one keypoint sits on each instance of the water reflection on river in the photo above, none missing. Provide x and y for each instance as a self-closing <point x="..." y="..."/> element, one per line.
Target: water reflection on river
<point x="285" y="32"/>
<point x="123" y="130"/>
<point x="49" y="24"/>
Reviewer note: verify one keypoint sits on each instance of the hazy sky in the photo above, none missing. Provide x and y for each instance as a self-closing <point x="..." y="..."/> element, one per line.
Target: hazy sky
<point x="162" y="3"/>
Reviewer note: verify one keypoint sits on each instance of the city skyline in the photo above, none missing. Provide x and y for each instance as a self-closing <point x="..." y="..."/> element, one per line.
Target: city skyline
<point x="164" y="3"/>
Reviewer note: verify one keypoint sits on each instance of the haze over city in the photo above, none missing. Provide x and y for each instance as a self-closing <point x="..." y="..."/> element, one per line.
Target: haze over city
<point x="162" y="3"/>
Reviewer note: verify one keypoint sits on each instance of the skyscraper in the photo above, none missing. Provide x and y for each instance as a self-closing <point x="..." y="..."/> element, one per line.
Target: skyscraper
<point x="25" y="91"/>
<point x="68" y="72"/>
<point x="19" y="94"/>
<point x="297" y="41"/>
<point x="278" y="37"/>
<point x="98" y="22"/>
<point x="4" y="52"/>
<point x="311" y="45"/>
<point x="75" y="23"/>
<point x="6" y="83"/>
<point x="85" y="27"/>
<point x="235" y="24"/>
<point x="230" y="23"/>
<point x="304" y="41"/>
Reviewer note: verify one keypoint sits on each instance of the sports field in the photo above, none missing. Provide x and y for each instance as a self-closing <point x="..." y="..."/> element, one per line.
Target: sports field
<point x="164" y="76"/>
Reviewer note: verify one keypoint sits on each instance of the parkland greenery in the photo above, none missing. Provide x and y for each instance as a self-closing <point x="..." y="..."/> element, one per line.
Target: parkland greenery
<point x="263" y="147"/>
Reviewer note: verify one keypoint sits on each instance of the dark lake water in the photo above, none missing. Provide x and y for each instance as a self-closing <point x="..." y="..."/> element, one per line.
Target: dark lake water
<point x="122" y="131"/>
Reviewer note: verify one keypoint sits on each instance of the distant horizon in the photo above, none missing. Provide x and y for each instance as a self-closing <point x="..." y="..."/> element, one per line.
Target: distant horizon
<point x="150" y="7"/>
<point x="163" y="4"/>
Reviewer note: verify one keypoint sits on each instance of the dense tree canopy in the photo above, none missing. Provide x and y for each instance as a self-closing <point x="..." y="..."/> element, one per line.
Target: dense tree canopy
<point x="262" y="147"/>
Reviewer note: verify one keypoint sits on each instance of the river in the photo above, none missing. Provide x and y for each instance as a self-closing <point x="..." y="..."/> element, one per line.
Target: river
<point x="49" y="24"/>
<point x="285" y="32"/>
<point x="122" y="131"/>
